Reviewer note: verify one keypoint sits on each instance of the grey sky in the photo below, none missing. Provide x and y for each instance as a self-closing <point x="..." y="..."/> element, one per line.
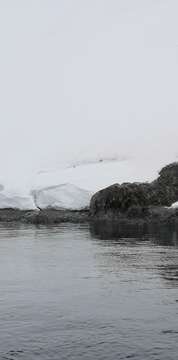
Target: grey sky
<point x="82" y="75"/>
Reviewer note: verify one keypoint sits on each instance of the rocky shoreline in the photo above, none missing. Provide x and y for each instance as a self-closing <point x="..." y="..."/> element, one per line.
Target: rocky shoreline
<point x="144" y="216"/>
<point x="48" y="216"/>
<point x="126" y="204"/>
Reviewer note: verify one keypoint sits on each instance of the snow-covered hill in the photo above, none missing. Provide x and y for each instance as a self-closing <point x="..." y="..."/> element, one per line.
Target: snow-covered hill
<point x="94" y="175"/>
<point x="57" y="187"/>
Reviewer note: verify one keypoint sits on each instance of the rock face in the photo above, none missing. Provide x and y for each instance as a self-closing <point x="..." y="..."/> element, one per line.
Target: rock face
<point x="131" y="197"/>
<point x="120" y="198"/>
<point x="167" y="184"/>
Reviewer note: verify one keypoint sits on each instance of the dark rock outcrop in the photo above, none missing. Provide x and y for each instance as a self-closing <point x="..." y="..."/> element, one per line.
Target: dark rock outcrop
<point x="119" y="198"/>
<point x="134" y="199"/>
<point x="167" y="184"/>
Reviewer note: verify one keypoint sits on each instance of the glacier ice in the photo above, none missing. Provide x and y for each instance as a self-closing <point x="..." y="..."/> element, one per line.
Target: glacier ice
<point x="62" y="196"/>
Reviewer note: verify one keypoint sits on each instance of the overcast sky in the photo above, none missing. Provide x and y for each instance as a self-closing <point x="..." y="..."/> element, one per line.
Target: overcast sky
<point x="81" y="75"/>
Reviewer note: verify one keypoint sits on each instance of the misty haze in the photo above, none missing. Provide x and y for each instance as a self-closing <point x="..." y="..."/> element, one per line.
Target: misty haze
<point x="89" y="179"/>
<point x="80" y="78"/>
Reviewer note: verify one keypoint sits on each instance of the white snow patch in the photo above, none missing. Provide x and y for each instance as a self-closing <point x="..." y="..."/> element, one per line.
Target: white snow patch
<point x="63" y="196"/>
<point x="174" y="205"/>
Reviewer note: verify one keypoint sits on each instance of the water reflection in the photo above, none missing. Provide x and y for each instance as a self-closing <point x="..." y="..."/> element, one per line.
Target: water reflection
<point x="136" y="248"/>
<point x="161" y="235"/>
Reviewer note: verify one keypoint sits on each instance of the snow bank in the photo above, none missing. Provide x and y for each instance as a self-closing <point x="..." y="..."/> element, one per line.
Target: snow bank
<point x="16" y="202"/>
<point x="63" y="196"/>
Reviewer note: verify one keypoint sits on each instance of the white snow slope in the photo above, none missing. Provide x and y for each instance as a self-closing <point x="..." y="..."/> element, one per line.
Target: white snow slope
<point x="97" y="175"/>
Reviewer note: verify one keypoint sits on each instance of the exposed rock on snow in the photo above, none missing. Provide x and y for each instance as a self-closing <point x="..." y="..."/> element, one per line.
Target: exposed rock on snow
<point x="8" y="201"/>
<point x="63" y="196"/>
<point x="121" y="198"/>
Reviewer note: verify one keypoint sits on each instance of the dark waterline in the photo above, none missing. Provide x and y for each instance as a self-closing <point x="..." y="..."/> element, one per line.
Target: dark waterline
<point x="71" y="292"/>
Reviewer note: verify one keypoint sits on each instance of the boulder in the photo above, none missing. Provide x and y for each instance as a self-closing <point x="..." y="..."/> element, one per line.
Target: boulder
<point x="119" y="198"/>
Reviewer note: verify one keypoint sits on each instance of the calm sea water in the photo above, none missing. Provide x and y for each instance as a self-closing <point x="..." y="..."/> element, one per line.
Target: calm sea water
<point x="70" y="292"/>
